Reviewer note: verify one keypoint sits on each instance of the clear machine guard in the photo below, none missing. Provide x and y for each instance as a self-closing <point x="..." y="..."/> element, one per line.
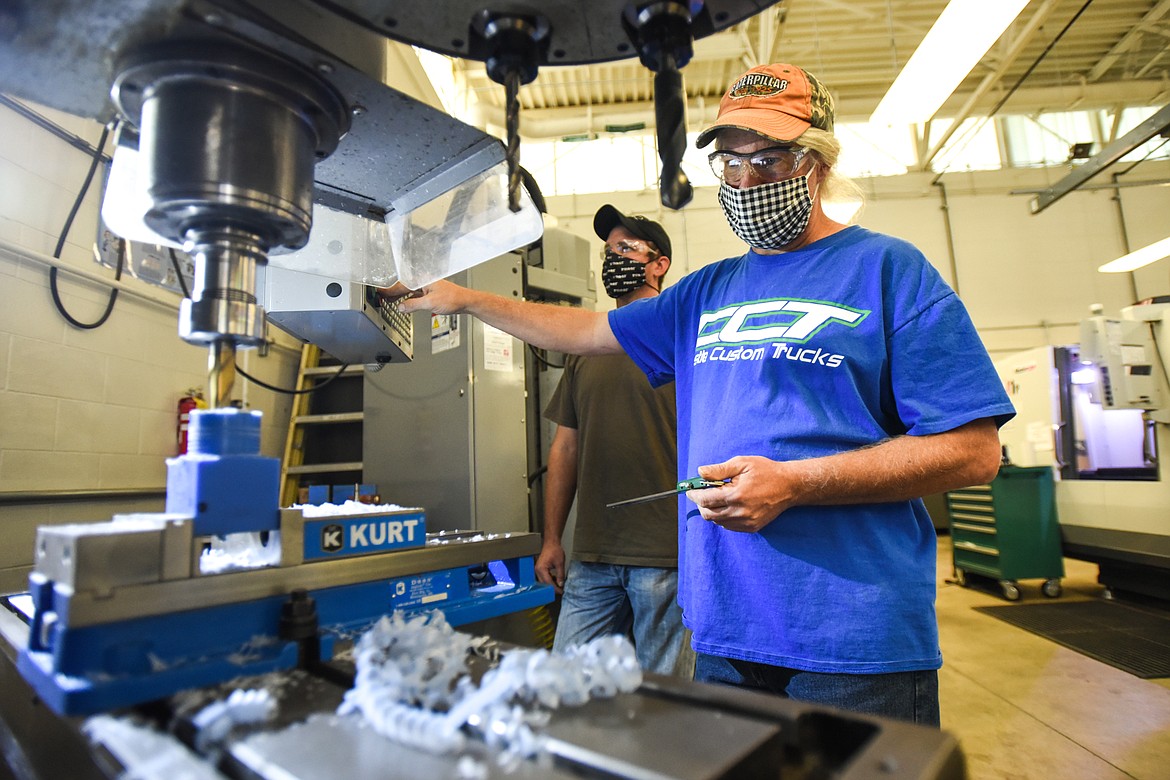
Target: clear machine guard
<point x="463" y="227"/>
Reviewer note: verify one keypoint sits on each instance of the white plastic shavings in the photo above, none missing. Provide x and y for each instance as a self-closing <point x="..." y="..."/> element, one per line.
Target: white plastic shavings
<point x="470" y="769"/>
<point x="413" y="685"/>
<point x="216" y="720"/>
<point x="350" y="507"/>
<point x="440" y="538"/>
<point x="240" y="551"/>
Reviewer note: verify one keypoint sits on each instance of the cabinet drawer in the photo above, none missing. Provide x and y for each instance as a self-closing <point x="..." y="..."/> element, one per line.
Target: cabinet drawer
<point x="971" y="518"/>
<point x="986" y="565"/>
<point x="973" y="493"/>
<point x="982" y="544"/>
<point x="980" y="537"/>
<point x="966" y="548"/>
<point x="973" y="507"/>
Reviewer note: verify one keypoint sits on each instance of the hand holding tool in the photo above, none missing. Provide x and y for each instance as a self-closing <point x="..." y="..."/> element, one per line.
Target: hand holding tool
<point x="694" y="483"/>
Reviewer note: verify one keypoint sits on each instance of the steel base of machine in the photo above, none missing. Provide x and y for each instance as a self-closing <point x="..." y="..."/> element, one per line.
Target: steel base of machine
<point x="666" y="729"/>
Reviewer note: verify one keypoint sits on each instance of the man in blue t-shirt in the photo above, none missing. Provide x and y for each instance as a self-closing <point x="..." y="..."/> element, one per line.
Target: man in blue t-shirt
<point x="829" y="377"/>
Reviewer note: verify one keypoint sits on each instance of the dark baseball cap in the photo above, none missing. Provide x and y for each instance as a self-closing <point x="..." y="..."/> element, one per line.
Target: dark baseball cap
<point x="608" y="217"/>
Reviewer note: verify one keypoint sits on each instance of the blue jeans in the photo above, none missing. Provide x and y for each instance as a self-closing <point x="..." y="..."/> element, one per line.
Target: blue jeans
<point x="603" y="598"/>
<point x="910" y="696"/>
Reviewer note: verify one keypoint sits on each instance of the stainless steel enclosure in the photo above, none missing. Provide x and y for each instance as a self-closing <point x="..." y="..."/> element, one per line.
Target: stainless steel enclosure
<point x="447" y="432"/>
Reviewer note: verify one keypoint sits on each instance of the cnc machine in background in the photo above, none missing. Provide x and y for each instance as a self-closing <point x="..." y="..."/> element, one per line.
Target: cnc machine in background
<point x="1096" y="413"/>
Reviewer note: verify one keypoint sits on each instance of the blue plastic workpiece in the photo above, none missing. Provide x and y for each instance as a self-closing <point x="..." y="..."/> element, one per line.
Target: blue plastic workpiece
<point x="223" y="481"/>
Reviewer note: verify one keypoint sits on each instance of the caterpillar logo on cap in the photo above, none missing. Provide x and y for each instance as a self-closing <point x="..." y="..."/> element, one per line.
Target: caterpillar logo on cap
<point x="757" y="85"/>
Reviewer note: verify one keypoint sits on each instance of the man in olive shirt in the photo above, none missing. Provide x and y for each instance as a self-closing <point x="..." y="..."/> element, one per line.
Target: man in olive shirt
<point x="616" y="439"/>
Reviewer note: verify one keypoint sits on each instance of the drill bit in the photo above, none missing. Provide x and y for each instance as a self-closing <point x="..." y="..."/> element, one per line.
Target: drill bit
<point x="221" y="373"/>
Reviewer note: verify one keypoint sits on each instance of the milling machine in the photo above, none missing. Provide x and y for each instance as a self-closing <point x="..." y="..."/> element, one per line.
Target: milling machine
<point x="242" y="124"/>
<point x="234" y="135"/>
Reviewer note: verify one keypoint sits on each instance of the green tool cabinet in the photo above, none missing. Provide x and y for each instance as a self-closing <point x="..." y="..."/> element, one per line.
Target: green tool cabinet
<point x="1008" y="531"/>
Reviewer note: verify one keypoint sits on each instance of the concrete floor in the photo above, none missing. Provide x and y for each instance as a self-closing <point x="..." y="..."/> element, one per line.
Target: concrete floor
<point x="1024" y="707"/>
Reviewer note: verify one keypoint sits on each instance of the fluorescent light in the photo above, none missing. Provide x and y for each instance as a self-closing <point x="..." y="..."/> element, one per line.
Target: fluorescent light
<point x="960" y="37"/>
<point x="1144" y="256"/>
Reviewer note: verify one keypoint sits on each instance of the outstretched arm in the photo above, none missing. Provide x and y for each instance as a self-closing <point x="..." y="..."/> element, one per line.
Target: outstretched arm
<point x="895" y="470"/>
<point x="560" y="328"/>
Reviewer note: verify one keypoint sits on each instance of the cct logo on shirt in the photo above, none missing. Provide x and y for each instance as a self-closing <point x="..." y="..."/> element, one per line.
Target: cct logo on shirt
<point x="741" y="331"/>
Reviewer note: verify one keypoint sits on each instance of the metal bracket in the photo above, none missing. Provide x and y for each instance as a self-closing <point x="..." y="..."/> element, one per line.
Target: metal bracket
<point x="1158" y="123"/>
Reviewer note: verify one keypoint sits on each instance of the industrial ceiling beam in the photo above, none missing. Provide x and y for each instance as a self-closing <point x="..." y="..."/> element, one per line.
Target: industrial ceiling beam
<point x="559" y="121"/>
<point x="1156" y="124"/>
<point x="1130" y="40"/>
<point x="1019" y="43"/>
<point x="782" y="11"/>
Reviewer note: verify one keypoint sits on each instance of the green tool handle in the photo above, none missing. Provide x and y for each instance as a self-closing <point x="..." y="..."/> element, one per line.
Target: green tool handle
<point x="696" y="483"/>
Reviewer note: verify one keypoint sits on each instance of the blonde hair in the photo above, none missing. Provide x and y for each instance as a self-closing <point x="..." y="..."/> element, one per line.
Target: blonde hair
<point x="826" y="148"/>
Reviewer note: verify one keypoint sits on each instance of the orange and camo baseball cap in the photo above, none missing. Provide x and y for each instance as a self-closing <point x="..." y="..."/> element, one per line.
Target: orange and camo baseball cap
<point x="777" y="101"/>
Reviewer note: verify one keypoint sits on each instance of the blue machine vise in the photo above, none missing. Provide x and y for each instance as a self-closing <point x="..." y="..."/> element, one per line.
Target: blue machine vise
<point x="125" y="612"/>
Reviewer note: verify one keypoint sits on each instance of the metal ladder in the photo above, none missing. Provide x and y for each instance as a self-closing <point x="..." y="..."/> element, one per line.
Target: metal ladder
<point x="293" y="465"/>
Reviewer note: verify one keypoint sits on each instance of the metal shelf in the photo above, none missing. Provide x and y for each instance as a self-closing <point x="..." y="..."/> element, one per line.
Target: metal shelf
<point x="325" y="468"/>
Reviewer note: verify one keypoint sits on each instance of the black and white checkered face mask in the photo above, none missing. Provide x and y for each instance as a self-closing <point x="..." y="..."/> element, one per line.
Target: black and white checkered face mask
<point x="768" y="216"/>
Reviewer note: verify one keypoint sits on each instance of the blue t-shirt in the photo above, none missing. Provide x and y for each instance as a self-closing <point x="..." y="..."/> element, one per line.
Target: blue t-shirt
<point x="843" y="343"/>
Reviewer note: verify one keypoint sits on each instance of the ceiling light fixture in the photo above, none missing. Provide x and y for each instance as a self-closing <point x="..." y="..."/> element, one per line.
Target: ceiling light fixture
<point x="961" y="35"/>
<point x="1142" y="257"/>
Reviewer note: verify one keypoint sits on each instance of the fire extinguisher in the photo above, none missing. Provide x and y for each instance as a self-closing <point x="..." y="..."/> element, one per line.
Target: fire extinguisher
<point x="192" y="400"/>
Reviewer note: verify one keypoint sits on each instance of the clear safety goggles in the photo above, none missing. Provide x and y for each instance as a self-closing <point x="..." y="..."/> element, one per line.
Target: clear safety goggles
<point x="769" y="165"/>
<point x="625" y="249"/>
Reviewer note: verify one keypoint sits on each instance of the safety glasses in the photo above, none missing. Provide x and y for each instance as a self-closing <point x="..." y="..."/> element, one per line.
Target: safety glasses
<point x="625" y="248"/>
<point x="768" y="165"/>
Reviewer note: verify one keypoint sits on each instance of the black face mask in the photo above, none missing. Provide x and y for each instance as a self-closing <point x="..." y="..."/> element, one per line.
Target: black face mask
<point x="621" y="275"/>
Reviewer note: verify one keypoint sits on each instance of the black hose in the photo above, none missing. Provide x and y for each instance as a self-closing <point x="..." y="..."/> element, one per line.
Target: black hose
<point x="1039" y="59"/>
<point x="544" y="360"/>
<point x="74" y="140"/>
<point x="97" y="158"/>
<point x="529" y="182"/>
<point x="179" y="273"/>
<point x="286" y="391"/>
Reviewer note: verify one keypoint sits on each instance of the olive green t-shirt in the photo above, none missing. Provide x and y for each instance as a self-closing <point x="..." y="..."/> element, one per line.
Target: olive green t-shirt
<point x="626" y="448"/>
